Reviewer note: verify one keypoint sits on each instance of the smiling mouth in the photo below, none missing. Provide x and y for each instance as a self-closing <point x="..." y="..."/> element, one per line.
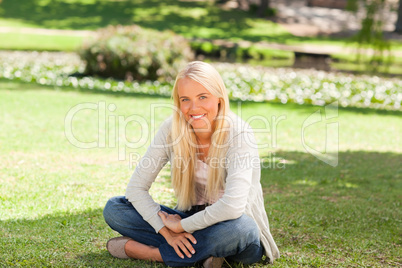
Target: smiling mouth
<point x="197" y="116"/>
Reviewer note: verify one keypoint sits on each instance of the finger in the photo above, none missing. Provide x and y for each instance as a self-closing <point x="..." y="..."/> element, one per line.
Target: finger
<point x="183" y="248"/>
<point x="178" y="252"/>
<point x="174" y="216"/>
<point x="191" y="238"/>
<point x="164" y="219"/>
<point x="163" y="213"/>
<point x="189" y="247"/>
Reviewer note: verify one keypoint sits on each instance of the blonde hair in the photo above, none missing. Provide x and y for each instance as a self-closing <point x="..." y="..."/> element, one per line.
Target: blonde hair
<point x="184" y="140"/>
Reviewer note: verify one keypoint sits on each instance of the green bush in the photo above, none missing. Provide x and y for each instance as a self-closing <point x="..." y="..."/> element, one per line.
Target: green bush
<point x="224" y="52"/>
<point x="133" y="53"/>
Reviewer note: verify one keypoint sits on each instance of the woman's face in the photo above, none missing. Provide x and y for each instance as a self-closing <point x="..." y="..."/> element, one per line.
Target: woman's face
<point x="198" y="105"/>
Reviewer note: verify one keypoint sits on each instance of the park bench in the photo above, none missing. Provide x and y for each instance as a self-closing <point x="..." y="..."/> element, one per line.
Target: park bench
<point x="320" y="61"/>
<point x="309" y="57"/>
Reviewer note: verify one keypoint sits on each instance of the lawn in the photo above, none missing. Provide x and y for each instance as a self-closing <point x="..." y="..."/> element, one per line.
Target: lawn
<point x="199" y="19"/>
<point x="42" y="42"/>
<point x="52" y="192"/>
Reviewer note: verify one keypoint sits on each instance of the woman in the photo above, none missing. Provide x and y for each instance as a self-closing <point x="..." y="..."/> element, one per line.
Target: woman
<point x="215" y="172"/>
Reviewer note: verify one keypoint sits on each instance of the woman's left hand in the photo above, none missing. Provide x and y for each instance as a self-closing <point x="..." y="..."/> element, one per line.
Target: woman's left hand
<point x="171" y="221"/>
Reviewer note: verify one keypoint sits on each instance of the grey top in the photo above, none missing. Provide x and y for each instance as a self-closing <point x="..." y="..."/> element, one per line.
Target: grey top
<point x="243" y="191"/>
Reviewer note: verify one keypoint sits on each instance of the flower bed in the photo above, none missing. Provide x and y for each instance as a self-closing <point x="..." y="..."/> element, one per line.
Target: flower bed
<point x="244" y="82"/>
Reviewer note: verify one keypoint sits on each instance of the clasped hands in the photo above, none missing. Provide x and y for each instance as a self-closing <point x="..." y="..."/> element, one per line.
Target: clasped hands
<point x="176" y="236"/>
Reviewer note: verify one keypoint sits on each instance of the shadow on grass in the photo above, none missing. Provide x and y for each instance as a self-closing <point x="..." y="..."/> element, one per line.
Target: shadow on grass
<point x="61" y="240"/>
<point x="355" y="170"/>
<point x="331" y="215"/>
<point x="192" y="19"/>
<point x="316" y="212"/>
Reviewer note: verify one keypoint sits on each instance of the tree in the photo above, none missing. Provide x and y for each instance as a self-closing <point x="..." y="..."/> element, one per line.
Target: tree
<point x="370" y="38"/>
<point x="243" y="4"/>
<point x="398" y="24"/>
<point x="263" y="8"/>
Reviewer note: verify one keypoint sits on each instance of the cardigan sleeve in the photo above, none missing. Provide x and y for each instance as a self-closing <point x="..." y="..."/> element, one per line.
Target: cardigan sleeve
<point x="242" y="158"/>
<point x="144" y="175"/>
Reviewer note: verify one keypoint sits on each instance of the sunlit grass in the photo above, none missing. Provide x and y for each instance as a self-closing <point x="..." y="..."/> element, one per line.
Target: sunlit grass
<point x="201" y="19"/>
<point x="24" y="41"/>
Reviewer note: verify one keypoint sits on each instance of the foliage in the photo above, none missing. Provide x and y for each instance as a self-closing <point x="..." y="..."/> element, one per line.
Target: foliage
<point x="244" y="82"/>
<point x="233" y="51"/>
<point x="133" y="53"/>
<point x="370" y="35"/>
<point x="268" y="12"/>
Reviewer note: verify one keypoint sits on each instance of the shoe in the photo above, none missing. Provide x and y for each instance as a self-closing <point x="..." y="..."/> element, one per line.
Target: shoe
<point x="115" y="246"/>
<point x="213" y="262"/>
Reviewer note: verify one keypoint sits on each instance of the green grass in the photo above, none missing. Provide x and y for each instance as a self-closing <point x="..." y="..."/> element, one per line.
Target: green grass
<point x="348" y="62"/>
<point x="361" y="68"/>
<point x="353" y="55"/>
<point x="200" y="19"/>
<point x="52" y="193"/>
<point x="23" y="41"/>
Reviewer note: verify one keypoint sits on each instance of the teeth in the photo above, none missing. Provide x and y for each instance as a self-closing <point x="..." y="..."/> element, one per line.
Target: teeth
<point x="198" y="116"/>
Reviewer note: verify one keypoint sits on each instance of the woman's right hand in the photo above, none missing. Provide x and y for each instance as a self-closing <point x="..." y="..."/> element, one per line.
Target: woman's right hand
<point x="181" y="242"/>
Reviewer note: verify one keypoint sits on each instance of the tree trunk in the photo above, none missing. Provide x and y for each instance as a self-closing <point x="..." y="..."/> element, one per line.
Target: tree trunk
<point x="398" y="25"/>
<point x="242" y="4"/>
<point x="264" y="5"/>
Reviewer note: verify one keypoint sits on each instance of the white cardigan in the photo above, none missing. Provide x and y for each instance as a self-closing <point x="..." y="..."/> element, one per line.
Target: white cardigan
<point x="243" y="191"/>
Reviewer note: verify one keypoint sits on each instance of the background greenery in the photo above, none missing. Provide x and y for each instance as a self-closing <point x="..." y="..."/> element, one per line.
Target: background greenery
<point x="192" y="19"/>
<point x="199" y="19"/>
<point x="52" y="193"/>
<point x="132" y="53"/>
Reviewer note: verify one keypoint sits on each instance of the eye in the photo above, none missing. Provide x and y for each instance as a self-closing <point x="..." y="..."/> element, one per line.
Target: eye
<point x="203" y="97"/>
<point x="183" y="100"/>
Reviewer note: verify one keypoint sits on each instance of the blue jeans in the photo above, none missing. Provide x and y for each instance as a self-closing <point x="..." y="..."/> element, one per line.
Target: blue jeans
<point x="237" y="240"/>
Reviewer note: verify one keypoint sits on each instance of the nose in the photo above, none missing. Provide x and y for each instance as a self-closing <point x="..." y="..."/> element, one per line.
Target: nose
<point x="194" y="105"/>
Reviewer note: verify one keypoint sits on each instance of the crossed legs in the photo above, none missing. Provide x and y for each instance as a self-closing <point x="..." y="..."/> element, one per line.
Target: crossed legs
<point x="237" y="240"/>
